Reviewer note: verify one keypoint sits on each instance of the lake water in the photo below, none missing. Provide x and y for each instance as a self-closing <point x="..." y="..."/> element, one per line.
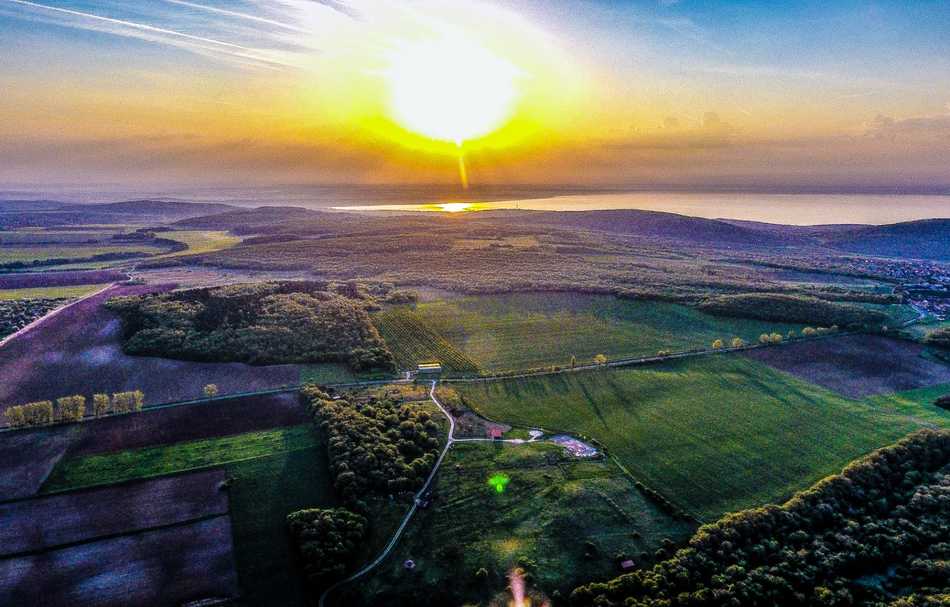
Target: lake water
<point x="792" y="209"/>
<point x="799" y="209"/>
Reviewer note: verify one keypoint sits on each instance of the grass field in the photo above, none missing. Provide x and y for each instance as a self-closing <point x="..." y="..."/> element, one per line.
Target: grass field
<point x="523" y="330"/>
<point x="534" y="522"/>
<point x="164" y="459"/>
<point x="200" y="241"/>
<point x="918" y="404"/>
<point x="272" y="474"/>
<point x="714" y="435"/>
<point x="70" y="292"/>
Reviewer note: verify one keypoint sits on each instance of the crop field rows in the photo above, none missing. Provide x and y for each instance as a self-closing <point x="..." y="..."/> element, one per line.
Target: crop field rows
<point x="526" y="330"/>
<point x="412" y="342"/>
<point x="166" y="539"/>
<point x="714" y="435"/>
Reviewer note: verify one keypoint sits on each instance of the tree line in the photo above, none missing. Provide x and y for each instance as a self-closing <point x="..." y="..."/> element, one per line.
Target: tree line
<point x="69" y="409"/>
<point x="780" y="307"/>
<point x="885" y="519"/>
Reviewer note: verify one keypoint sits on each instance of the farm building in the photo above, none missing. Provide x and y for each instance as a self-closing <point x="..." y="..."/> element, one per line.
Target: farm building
<point x="429" y="368"/>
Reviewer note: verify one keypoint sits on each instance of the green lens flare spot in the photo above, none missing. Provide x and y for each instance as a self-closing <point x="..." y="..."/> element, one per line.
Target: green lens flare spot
<point x="498" y="481"/>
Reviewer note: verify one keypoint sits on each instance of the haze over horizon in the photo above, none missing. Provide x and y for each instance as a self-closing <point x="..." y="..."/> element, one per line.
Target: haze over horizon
<point x="850" y="97"/>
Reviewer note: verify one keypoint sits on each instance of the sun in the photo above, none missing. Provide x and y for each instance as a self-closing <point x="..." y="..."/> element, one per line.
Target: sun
<point x="450" y="88"/>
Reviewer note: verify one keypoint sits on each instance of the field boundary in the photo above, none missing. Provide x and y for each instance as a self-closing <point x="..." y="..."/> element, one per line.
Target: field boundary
<point x="52" y="313"/>
<point x="625" y="362"/>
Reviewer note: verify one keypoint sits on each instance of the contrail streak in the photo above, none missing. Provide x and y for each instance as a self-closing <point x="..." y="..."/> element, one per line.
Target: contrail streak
<point x="239" y="15"/>
<point x="133" y="25"/>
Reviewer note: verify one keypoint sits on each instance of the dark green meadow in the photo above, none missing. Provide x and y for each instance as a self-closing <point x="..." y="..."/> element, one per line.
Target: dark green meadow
<point x="714" y="435"/>
<point x="561" y="519"/>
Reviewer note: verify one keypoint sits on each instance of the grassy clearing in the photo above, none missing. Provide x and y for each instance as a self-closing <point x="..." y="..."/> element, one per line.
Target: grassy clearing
<point x="120" y="466"/>
<point x="714" y="435"/>
<point x="917" y="404"/>
<point x="200" y="241"/>
<point x="70" y="292"/>
<point x="523" y="330"/>
<point x="534" y="522"/>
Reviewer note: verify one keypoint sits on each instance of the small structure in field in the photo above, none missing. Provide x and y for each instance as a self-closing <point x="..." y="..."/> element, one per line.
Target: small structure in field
<point x="627" y="564"/>
<point x="409" y="565"/>
<point x="429" y="369"/>
<point x="494" y="432"/>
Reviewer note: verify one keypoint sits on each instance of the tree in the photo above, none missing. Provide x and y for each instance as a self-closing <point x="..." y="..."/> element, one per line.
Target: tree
<point x="808" y="332"/>
<point x="327" y="539"/>
<point x="211" y="390"/>
<point x="717" y="344"/>
<point x="775" y="338"/>
<point x="573" y="361"/>
<point x="71" y="408"/>
<point x="764" y="338"/>
<point x="600" y="359"/>
<point x="790" y="335"/>
<point x="737" y="342"/>
<point x="100" y="404"/>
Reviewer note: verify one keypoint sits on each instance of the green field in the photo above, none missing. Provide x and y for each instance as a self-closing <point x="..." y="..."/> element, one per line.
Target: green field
<point x="713" y="435"/>
<point x="71" y="292"/>
<point x="200" y="241"/>
<point x="120" y="466"/>
<point x="533" y="522"/>
<point x="68" y="251"/>
<point x="525" y="330"/>
<point x="918" y="404"/>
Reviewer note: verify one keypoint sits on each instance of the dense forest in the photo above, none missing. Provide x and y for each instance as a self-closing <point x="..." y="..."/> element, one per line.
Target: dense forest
<point x="378" y="448"/>
<point x="327" y="539"/>
<point x="792" y="308"/>
<point x="878" y="534"/>
<point x="264" y="323"/>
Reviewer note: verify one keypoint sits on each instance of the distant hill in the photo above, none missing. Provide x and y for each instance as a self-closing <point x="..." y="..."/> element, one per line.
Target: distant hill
<point x="247" y="221"/>
<point x="656" y="224"/>
<point x="48" y="213"/>
<point x="18" y="206"/>
<point x="161" y="208"/>
<point x="924" y="239"/>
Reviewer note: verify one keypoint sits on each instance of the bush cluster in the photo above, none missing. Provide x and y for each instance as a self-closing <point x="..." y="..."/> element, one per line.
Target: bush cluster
<point x="378" y="448"/>
<point x="886" y="515"/>
<point x="327" y="539"/>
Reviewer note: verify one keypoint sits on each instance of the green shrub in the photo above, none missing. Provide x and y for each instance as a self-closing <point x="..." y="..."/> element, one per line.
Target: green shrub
<point x="327" y="540"/>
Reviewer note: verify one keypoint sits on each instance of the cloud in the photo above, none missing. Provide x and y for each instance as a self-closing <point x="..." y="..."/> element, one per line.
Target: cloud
<point x="919" y="130"/>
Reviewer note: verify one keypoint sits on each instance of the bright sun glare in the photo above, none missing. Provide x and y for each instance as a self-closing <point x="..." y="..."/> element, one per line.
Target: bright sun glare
<point x="450" y="89"/>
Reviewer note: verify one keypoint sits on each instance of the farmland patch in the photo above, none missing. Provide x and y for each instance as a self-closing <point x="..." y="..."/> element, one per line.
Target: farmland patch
<point x="169" y="566"/>
<point x="857" y="366"/>
<point x="166" y="541"/>
<point x="46" y="522"/>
